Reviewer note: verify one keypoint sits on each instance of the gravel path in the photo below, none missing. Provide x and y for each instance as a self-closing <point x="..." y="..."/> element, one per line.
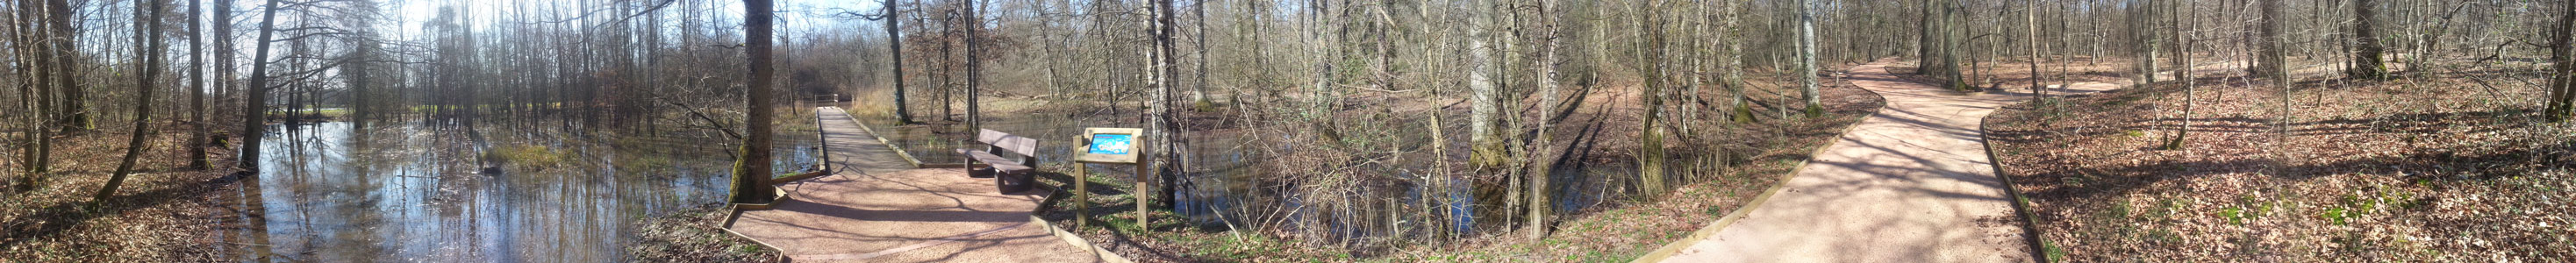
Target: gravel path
<point x="1912" y="183"/>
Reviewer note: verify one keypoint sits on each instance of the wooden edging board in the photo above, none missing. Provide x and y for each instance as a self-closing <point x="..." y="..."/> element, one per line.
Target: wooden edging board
<point x="798" y="177"/>
<point x="1097" y="253"/>
<point x="1675" y="247"/>
<point x="735" y="213"/>
<point x="2029" y="222"/>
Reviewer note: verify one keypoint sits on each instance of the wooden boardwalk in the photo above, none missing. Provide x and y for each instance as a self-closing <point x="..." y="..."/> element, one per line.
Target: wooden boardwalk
<point x="876" y="207"/>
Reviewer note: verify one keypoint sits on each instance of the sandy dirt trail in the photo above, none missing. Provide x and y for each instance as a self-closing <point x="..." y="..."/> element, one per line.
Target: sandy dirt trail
<point x="1912" y="183"/>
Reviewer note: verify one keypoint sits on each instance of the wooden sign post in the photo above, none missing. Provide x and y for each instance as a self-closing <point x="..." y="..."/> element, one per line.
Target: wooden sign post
<point x="1107" y="146"/>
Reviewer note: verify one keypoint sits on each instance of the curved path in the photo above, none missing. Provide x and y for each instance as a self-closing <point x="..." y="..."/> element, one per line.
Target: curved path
<point x="1912" y="183"/>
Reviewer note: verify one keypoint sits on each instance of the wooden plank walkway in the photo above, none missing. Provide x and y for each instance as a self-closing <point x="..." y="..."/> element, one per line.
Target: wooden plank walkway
<point x="875" y="207"/>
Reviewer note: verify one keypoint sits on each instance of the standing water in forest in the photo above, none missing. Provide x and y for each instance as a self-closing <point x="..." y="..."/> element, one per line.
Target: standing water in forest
<point x="344" y="192"/>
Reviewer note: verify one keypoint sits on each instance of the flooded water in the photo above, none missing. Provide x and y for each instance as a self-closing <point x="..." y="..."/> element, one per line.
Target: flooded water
<point x="404" y="191"/>
<point x="1227" y="169"/>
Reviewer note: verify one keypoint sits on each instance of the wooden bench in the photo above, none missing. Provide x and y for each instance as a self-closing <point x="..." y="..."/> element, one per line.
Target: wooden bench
<point x="1010" y="175"/>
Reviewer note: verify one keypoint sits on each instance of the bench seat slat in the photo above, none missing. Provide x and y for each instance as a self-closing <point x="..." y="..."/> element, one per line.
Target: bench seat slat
<point x="999" y="163"/>
<point x="1008" y="142"/>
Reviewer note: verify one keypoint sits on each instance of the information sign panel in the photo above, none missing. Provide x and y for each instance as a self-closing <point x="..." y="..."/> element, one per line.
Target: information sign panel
<point x="1110" y="145"/>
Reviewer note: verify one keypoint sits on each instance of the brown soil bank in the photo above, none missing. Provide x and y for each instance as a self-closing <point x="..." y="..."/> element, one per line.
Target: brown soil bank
<point x="2436" y="168"/>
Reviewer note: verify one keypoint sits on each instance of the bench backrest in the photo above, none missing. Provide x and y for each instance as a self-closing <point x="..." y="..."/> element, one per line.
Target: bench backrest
<point x="1005" y="141"/>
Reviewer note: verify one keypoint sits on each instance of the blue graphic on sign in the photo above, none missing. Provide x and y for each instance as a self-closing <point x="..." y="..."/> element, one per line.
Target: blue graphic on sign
<point x="1111" y="143"/>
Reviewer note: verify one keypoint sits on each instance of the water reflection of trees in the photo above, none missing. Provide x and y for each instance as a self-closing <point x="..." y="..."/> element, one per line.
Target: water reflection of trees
<point x="342" y="191"/>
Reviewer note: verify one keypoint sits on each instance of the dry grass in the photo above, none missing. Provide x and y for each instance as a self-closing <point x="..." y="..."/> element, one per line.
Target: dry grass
<point x="2434" y="168"/>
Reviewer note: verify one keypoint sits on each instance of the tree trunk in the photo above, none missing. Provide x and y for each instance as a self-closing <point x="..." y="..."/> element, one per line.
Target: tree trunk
<point x="255" y="105"/>
<point x="1650" y="134"/>
<point x="33" y="95"/>
<point x="1199" y="93"/>
<point x="974" y="23"/>
<point x="2182" y="72"/>
<point x="1807" y="59"/>
<point x="2274" y="60"/>
<point x="2269" y="52"/>
<point x="197" y="87"/>
<point x="751" y="172"/>
<point x="1163" y="132"/>
<point x="894" y="45"/>
<point x="947" y="66"/>
<point x="2030" y="16"/>
<point x="2367" y="50"/>
<point x="2562" y="59"/>
<point x="1941" y="45"/>
<point x="72" y="100"/>
<point x="1484" y="93"/>
<point x="1545" y="159"/>
<point x="147" y="46"/>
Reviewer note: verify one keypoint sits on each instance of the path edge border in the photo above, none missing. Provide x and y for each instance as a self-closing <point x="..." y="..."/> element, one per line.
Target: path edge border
<point x="1669" y="249"/>
<point x="2021" y="205"/>
<point x="1097" y="254"/>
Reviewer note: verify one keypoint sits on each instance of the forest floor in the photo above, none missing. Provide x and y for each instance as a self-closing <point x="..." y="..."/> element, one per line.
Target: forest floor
<point x="695" y="235"/>
<point x="2439" y="166"/>
<point x="1616" y="230"/>
<point x="165" y="212"/>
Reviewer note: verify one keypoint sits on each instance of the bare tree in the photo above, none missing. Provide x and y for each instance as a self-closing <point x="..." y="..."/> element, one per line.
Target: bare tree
<point x="1940" y="43"/>
<point x="1485" y="116"/>
<point x="2562" y="59"/>
<point x="197" y="87"/>
<point x="894" y="33"/>
<point x="1807" y="59"/>
<point x="751" y="170"/>
<point x="255" y="107"/>
<point x="147" y="46"/>
<point x="974" y="24"/>
<point x="1162" y="127"/>
<point x="1650" y="136"/>
<point x="1544" y="158"/>
<point x="2182" y="70"/>
<point x="72" y="99"/>
<point x="2272" y="61"/>
<point x="2367" y="50"/>
<point x="2030" y="16"/>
